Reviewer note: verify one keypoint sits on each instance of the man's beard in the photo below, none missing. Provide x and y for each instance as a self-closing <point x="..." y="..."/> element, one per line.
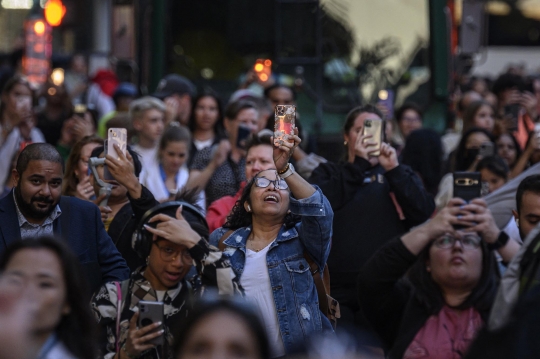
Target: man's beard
<point x="31" y="211"/>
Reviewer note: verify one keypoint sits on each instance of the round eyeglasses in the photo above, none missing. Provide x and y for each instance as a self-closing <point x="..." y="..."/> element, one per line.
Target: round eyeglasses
<point x="169" y="254"/>
<point x="265" y="182"/>
<point x="448" y="241"/>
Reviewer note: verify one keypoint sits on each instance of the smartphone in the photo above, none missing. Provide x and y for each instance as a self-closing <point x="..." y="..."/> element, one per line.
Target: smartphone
<point x="487" y="149"/>
<point x="149" y="313"/>
<point x="79" y="110"/>
<point x="375" y="128"/>
<point x="242" y="136"/>
<point x="386" y="98"/>
<point x="511" y="113"/>
<point x="284" y="123"/>
<point x="467" y="185"/>
<point x="114" y="136"/>
<point x="263" y="69"/>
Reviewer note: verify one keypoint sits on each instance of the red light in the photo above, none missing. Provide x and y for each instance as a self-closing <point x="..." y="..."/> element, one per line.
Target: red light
<point x="267" y="63"/>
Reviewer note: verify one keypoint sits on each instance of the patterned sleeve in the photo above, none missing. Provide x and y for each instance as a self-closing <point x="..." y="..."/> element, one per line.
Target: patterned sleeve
<point x="214" y="269"/>
<point x="201" y="159"/>
<point x="104" y="305"/>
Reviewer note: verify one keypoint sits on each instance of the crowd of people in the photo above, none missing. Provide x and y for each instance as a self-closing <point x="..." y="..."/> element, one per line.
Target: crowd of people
<point x="196" y="243"/>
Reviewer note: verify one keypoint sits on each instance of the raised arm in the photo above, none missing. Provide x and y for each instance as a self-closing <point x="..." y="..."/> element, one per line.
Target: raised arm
<point x="212" y="265"/>
<point x="201" y="172"/>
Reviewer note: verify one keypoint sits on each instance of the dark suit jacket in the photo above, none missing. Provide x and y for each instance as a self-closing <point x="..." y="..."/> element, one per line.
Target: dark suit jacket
<point x="86" y="236"/>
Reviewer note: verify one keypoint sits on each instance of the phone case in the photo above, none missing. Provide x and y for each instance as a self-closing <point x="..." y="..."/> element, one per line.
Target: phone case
<point x="511" y="112"/>
<point x="467" y="185"/>
<point x="116" y="136"/>
<point x="151" y="312"/>
<point x="241" y="138"/>
<point x="285" y="118"/>
<point x="374" y="127"/>
<point x="486" y="149"/>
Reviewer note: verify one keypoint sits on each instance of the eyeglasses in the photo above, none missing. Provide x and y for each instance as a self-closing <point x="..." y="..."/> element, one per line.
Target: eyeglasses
<point x="448" y="241"/>
<point x="265" y="182"/>
<point x="168" y="254"/>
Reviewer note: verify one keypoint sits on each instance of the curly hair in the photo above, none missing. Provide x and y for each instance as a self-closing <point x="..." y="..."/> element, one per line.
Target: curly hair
<point x="239" y="217"/>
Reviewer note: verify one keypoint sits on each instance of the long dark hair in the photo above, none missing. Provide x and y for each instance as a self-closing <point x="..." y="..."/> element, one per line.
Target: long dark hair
<point x="69" y="185"/>
<point x="461" y="161"/>
<point x="77" y="329"/>
<point x="516" y="145"/>
<point x="239" y="217"/>
<point x="206" y="307"/>
<point x="218" y="126"/>
<point x="429" y="293"/>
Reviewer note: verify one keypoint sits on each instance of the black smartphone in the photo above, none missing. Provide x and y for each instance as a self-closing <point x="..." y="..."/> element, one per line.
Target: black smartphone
<point x="511" y="113"/>
<point x="467" y="185"/>
<point x="242" y="136"/>
<point x="487" y="149"/>
<point x="149" y="313"/>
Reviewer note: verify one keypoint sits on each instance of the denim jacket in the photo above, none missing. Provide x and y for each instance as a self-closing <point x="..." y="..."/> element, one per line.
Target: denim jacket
<point x="295" y="295"/>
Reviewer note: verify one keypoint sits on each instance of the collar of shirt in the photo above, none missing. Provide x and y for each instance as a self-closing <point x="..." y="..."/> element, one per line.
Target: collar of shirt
<point x="51" y="218"/>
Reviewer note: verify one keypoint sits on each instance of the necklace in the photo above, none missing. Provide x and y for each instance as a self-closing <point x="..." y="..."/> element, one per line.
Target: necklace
<point x="250" y="238"/>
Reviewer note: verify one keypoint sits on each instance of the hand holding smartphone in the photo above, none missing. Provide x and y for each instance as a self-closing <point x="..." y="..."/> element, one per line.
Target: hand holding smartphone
<point x="115" y="136"/>
<point x="467" y="185"/>
<point x="150" y="313"/>
<point x="374" y="128"/>
<point x="284" y="125"/>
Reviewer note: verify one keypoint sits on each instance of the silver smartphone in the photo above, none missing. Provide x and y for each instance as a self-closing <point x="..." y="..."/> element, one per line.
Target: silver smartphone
<point x="149" y="313"/>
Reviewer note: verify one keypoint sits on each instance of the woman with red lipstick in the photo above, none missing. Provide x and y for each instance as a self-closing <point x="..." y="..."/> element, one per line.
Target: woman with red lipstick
<point x="450" y="281"/>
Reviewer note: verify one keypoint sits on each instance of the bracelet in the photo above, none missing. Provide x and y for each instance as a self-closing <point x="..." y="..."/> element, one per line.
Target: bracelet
<point x="128" y="355"/>
<point x="501" y="241"/>
<point x="284" y="170"/>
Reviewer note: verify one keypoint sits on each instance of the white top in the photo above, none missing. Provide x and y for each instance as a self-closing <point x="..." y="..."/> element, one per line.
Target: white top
<point x="148" y="155"/>
<point x="203" y="144"/>
<point x="151" y="178"/>
<point x="256" y="283"/>
<point x="512" y="230"/>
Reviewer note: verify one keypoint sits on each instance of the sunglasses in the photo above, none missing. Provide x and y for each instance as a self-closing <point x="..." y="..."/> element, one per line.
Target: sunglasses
<point x="265" y="182"/>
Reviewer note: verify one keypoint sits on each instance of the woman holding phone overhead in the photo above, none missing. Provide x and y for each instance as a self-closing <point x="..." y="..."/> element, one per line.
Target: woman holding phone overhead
<point x="220" y="169"/>
<point x="279" y="220"/>
<point x="375" y="198"/>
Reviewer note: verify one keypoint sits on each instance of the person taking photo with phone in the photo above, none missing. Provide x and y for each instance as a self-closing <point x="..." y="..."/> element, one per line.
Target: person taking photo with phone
<point x="452" y="281"/>
<point x="171" y="238"/>
<point x="375" y="198"/>
<point x="220" y="169"/>
<point x="278" y="222"/>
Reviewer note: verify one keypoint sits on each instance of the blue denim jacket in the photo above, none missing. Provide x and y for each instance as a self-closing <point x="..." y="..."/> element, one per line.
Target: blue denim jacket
<point x="295" y="295"/>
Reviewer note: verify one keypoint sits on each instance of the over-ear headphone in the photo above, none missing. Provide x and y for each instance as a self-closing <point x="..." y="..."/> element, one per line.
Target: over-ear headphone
<point x="141" y="241"/>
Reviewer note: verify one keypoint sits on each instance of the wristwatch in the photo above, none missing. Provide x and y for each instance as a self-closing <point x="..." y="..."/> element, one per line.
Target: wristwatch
<point x="289" y="170"/>
<point x="501" y="241"/>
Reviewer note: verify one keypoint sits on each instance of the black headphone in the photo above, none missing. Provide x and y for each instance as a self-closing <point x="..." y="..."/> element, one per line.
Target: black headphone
<point x="141" y="241"/>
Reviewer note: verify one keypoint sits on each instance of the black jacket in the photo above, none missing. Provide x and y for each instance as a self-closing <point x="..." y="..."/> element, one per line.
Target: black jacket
<point x="365" y="216"/>
<point x="125" y="223"/>
<point x="389" y="302"/>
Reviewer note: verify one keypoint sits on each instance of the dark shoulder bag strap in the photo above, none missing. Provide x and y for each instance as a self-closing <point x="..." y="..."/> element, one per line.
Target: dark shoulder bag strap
<point x="221" y="245"/>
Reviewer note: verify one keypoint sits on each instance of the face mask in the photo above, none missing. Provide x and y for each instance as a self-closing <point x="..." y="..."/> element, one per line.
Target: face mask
<point x="470" y="156"/>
